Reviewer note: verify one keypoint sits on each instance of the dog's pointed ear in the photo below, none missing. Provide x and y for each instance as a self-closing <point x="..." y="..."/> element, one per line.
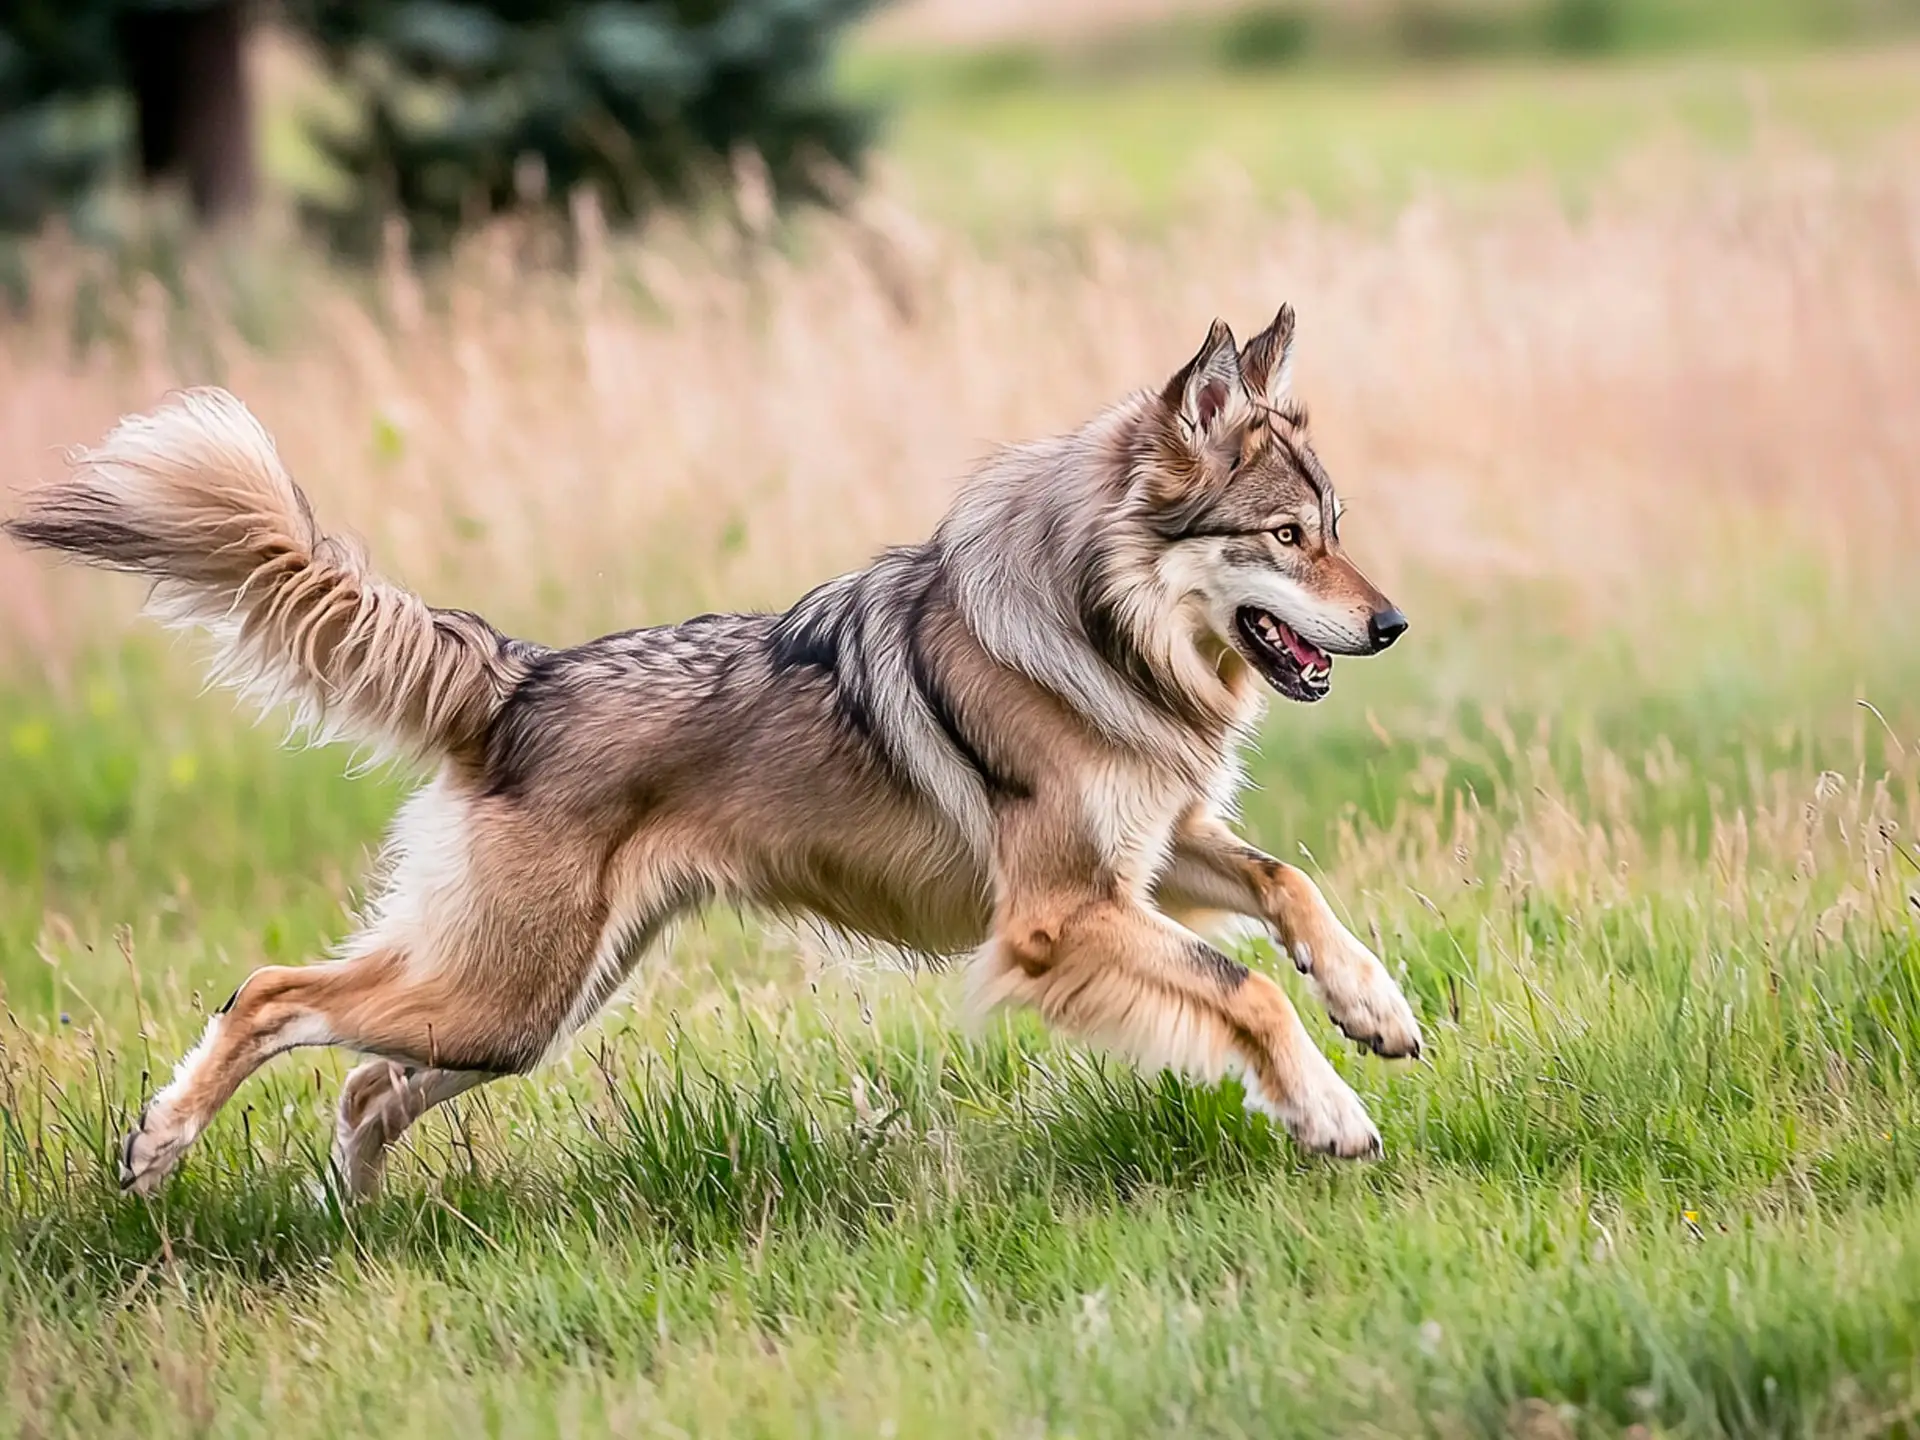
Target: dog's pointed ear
<point x="1203" y="393"/>
<point x="1199" y="428"/>
<point x="1266" y="365"/>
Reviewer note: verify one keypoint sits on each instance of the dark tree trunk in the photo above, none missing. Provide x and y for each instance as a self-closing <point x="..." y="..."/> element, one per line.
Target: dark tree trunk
<point x="187" y="67"/>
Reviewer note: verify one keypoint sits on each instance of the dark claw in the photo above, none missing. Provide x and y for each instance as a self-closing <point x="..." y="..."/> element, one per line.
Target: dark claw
<point x="1378" y="1044"/>
<point x="1372" y="1150"/>
<point x="126" y="1148"/>
<point x="1380" y="1049"/>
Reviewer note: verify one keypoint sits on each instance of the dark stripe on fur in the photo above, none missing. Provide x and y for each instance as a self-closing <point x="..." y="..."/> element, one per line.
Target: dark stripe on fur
<point x="1114" y="643"/>
<point x="1311" y="473"/>
<point x="1224" y="968"/>
<point x="804" y="640"/>
<point x="940" y="705"/>
<point x="1219" y="532"/>
<point x="513" y="739"/>
<point x="1260" y="860"/>
<point x="827" y="632"/>
<point x="81" y="526"/>
<point x="829" y="636"/>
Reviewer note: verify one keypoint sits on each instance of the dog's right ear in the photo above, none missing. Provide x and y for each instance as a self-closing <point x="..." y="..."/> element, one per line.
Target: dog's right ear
<point x="1267" y="363"/>
<point x="1207" y="394"/>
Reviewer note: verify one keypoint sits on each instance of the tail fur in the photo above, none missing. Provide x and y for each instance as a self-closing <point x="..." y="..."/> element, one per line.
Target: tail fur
<point x="195" y="498"/>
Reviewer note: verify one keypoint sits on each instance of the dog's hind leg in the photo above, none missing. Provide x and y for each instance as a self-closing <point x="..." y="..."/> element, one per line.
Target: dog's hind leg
<point x="381" y="1099"/>
<point x="378" y="1102"/>
<point x="1116" y="972"/>
<point x="373" y="1003"/>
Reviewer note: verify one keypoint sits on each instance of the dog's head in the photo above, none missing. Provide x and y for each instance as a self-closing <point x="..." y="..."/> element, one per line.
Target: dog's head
<point x="1247" y="518"/>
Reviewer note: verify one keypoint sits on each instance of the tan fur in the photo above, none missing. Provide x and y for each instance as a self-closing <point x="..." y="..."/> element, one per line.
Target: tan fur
<point x="194" y="496"/>
<point x="1015" y="741"/>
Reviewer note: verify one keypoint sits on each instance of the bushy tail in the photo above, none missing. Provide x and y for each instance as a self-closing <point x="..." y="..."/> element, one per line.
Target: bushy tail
<point x="194" y="497"/>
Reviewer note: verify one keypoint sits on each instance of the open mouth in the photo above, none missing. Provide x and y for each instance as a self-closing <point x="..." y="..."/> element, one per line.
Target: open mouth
<point x="1297" y="669"/>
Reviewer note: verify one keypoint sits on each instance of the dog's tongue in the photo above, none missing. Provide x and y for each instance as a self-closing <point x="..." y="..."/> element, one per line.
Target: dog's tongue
<point x="1309" y="656"/>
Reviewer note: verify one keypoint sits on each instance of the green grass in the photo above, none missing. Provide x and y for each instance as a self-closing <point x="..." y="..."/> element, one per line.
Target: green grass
<point x="1147" y="124"/>
<point x="1144" y="145"/>
<point x="1659" y="1169"/>
<point x="1361" y="107"/>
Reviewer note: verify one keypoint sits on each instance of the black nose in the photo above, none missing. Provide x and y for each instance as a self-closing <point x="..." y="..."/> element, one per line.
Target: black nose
<point x="1386" y="626"/>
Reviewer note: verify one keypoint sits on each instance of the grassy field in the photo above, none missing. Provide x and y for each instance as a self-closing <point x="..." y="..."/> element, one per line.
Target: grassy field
<point x="1647" y="476"/>
<point x="992" y="147"/>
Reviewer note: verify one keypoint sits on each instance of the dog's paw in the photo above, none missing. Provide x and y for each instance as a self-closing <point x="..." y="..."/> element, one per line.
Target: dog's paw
<point x="151" y="1150"/>
<point x="360" y="1160"/>
<point x="1360" y="996"/>
<point x="1322" y="1114"/>
<point x="360" y="1151"/>
<point x="362" y="1128"/>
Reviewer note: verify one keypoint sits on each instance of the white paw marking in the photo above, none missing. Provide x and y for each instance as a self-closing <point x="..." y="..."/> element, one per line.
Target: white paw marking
<point x="359" y="1157"/>
<point x="1323" y="1114"/>
<point x="149" y="1154"/>
<point x="1363" y="1000"/>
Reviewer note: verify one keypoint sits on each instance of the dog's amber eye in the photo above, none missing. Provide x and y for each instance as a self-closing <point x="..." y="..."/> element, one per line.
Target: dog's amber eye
<point x="1288" y="534"/>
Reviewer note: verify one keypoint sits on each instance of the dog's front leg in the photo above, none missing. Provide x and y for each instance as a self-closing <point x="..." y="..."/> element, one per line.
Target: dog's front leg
<point x="1112" y="971"/>
<point x="1075" y="944"/>
<point x="1211" y="868"/>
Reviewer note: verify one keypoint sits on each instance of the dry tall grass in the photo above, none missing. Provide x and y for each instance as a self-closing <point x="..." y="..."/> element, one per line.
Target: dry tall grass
<point x="1706" y="360"/>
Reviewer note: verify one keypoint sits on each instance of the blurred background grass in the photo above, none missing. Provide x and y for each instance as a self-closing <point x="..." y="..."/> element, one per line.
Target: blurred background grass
<point x="1360" y="104"/>
<point x="1004" y="116"/>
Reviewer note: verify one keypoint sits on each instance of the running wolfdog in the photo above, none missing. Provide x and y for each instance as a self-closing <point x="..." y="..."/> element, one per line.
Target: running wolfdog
<point x="1016" y="741"/>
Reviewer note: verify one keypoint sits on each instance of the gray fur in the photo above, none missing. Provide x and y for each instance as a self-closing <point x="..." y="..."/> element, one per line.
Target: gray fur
<point x="1012" y="739"/>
